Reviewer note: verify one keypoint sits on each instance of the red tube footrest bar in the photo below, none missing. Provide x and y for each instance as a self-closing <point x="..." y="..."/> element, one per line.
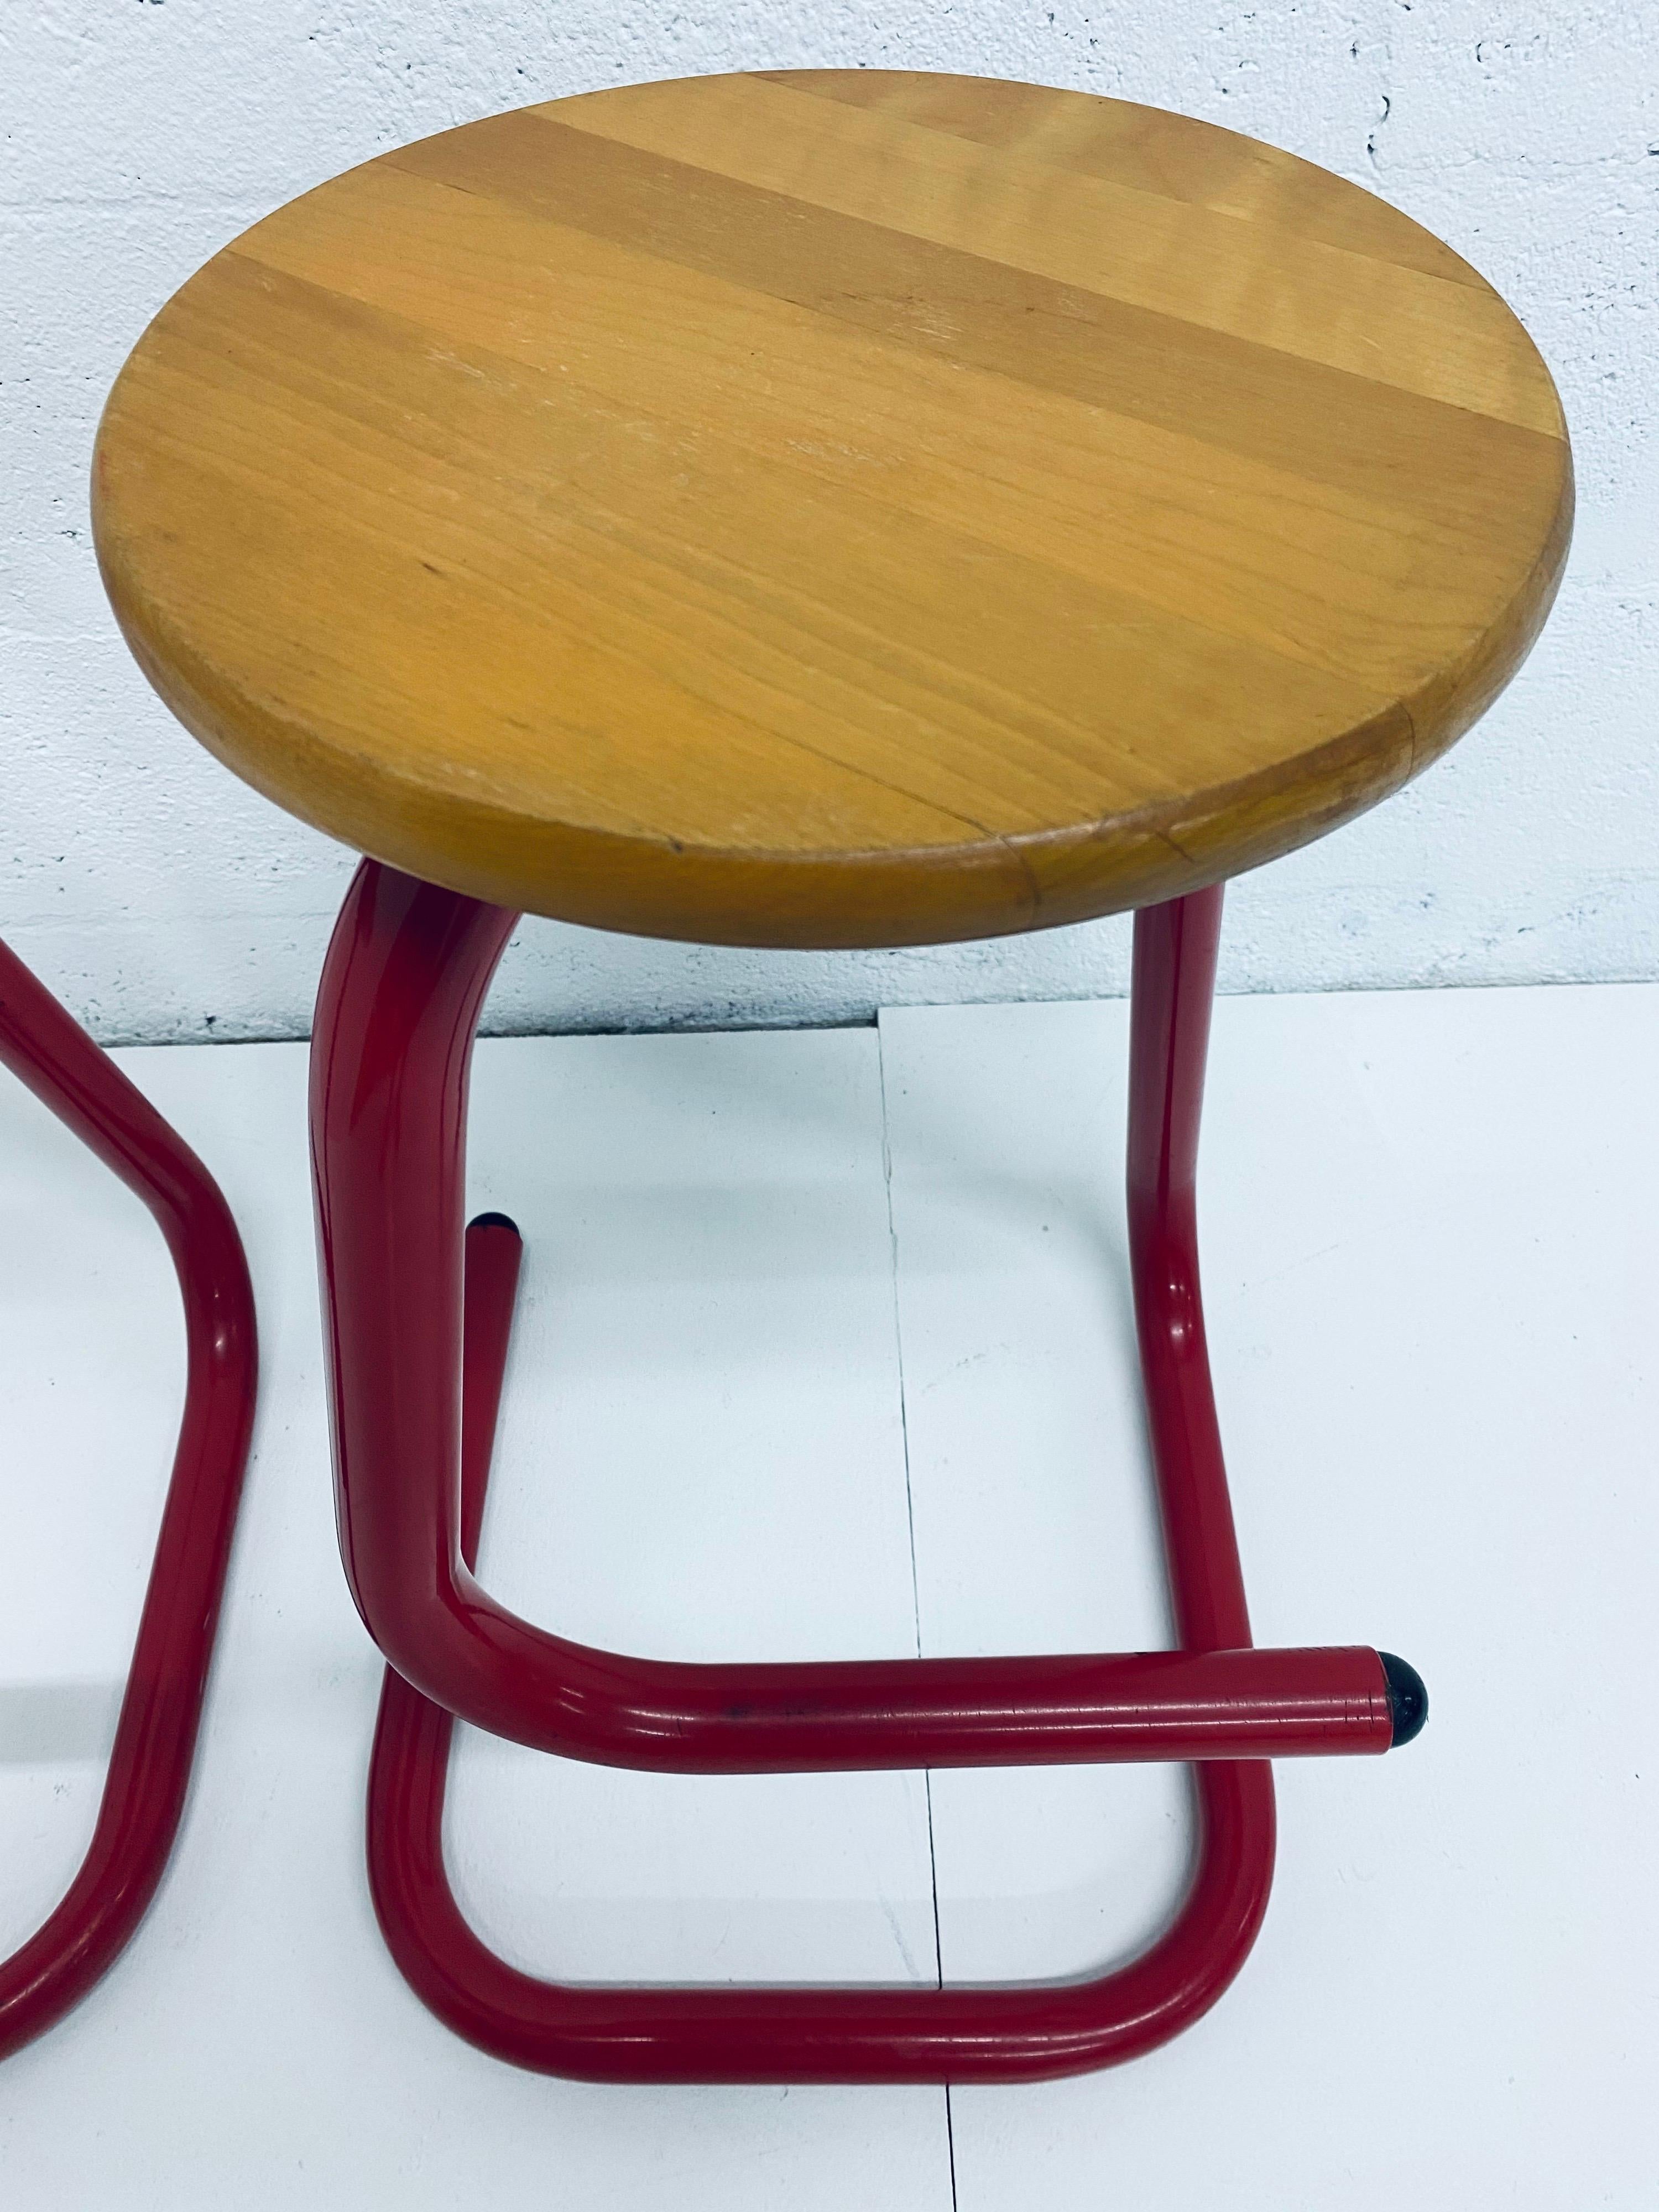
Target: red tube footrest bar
<point x="1100" y="1708"/>
<point x="155" y="1742"/>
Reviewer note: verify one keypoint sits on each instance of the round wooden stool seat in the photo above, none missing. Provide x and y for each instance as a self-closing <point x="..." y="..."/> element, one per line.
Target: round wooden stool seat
<point x="831" y="507"/>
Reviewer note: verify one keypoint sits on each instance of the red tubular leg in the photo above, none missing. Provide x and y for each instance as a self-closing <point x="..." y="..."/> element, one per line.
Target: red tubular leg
<point x="999" y="2034"/>
<point x="402" y="990"/>
<point x="155" y="1734"/>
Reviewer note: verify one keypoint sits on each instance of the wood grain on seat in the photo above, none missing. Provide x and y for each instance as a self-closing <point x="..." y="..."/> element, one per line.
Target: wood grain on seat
<point x="832" y="508"/>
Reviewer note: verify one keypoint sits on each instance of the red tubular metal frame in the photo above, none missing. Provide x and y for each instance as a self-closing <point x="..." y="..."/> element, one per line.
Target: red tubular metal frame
<point x="402" y="990"/>
<point x="418" y="1318"/>
<point x="149" y="1765"/>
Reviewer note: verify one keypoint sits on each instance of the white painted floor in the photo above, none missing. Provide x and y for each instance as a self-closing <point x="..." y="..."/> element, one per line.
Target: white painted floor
<point x="759" y="1268"/>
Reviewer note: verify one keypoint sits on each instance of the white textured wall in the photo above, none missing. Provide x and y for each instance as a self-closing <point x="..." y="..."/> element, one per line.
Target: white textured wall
<point x="164" y="900"/>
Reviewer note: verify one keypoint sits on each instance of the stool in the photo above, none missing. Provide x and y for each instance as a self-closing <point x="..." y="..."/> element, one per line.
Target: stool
<point x="815" y="509"/>
<point x="155" y="1746"/>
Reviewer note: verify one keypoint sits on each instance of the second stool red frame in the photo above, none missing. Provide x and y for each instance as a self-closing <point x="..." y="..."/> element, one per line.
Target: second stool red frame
<point x="418" y="1314"/>
<point x="150" y="1759"/>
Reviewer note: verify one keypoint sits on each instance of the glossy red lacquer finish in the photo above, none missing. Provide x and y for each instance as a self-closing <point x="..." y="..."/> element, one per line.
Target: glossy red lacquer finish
<point x="402" y="990"/>
<point x="155" y="1734"/>
<point x="959" y="2034"/>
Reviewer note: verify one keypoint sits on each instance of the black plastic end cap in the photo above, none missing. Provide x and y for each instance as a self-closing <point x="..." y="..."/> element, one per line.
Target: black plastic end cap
<point x="1407" y="1698"/>
<point x="506" y="1221"/>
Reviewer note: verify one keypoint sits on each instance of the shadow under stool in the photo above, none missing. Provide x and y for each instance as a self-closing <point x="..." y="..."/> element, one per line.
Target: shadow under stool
<point x="820" y="509"/>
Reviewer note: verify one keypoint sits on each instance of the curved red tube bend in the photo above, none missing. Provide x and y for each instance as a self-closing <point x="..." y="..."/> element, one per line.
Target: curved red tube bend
<point x="1030" y="2034"/>
<point x="149" y="1765"/>
<point x="403" y="987"/>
